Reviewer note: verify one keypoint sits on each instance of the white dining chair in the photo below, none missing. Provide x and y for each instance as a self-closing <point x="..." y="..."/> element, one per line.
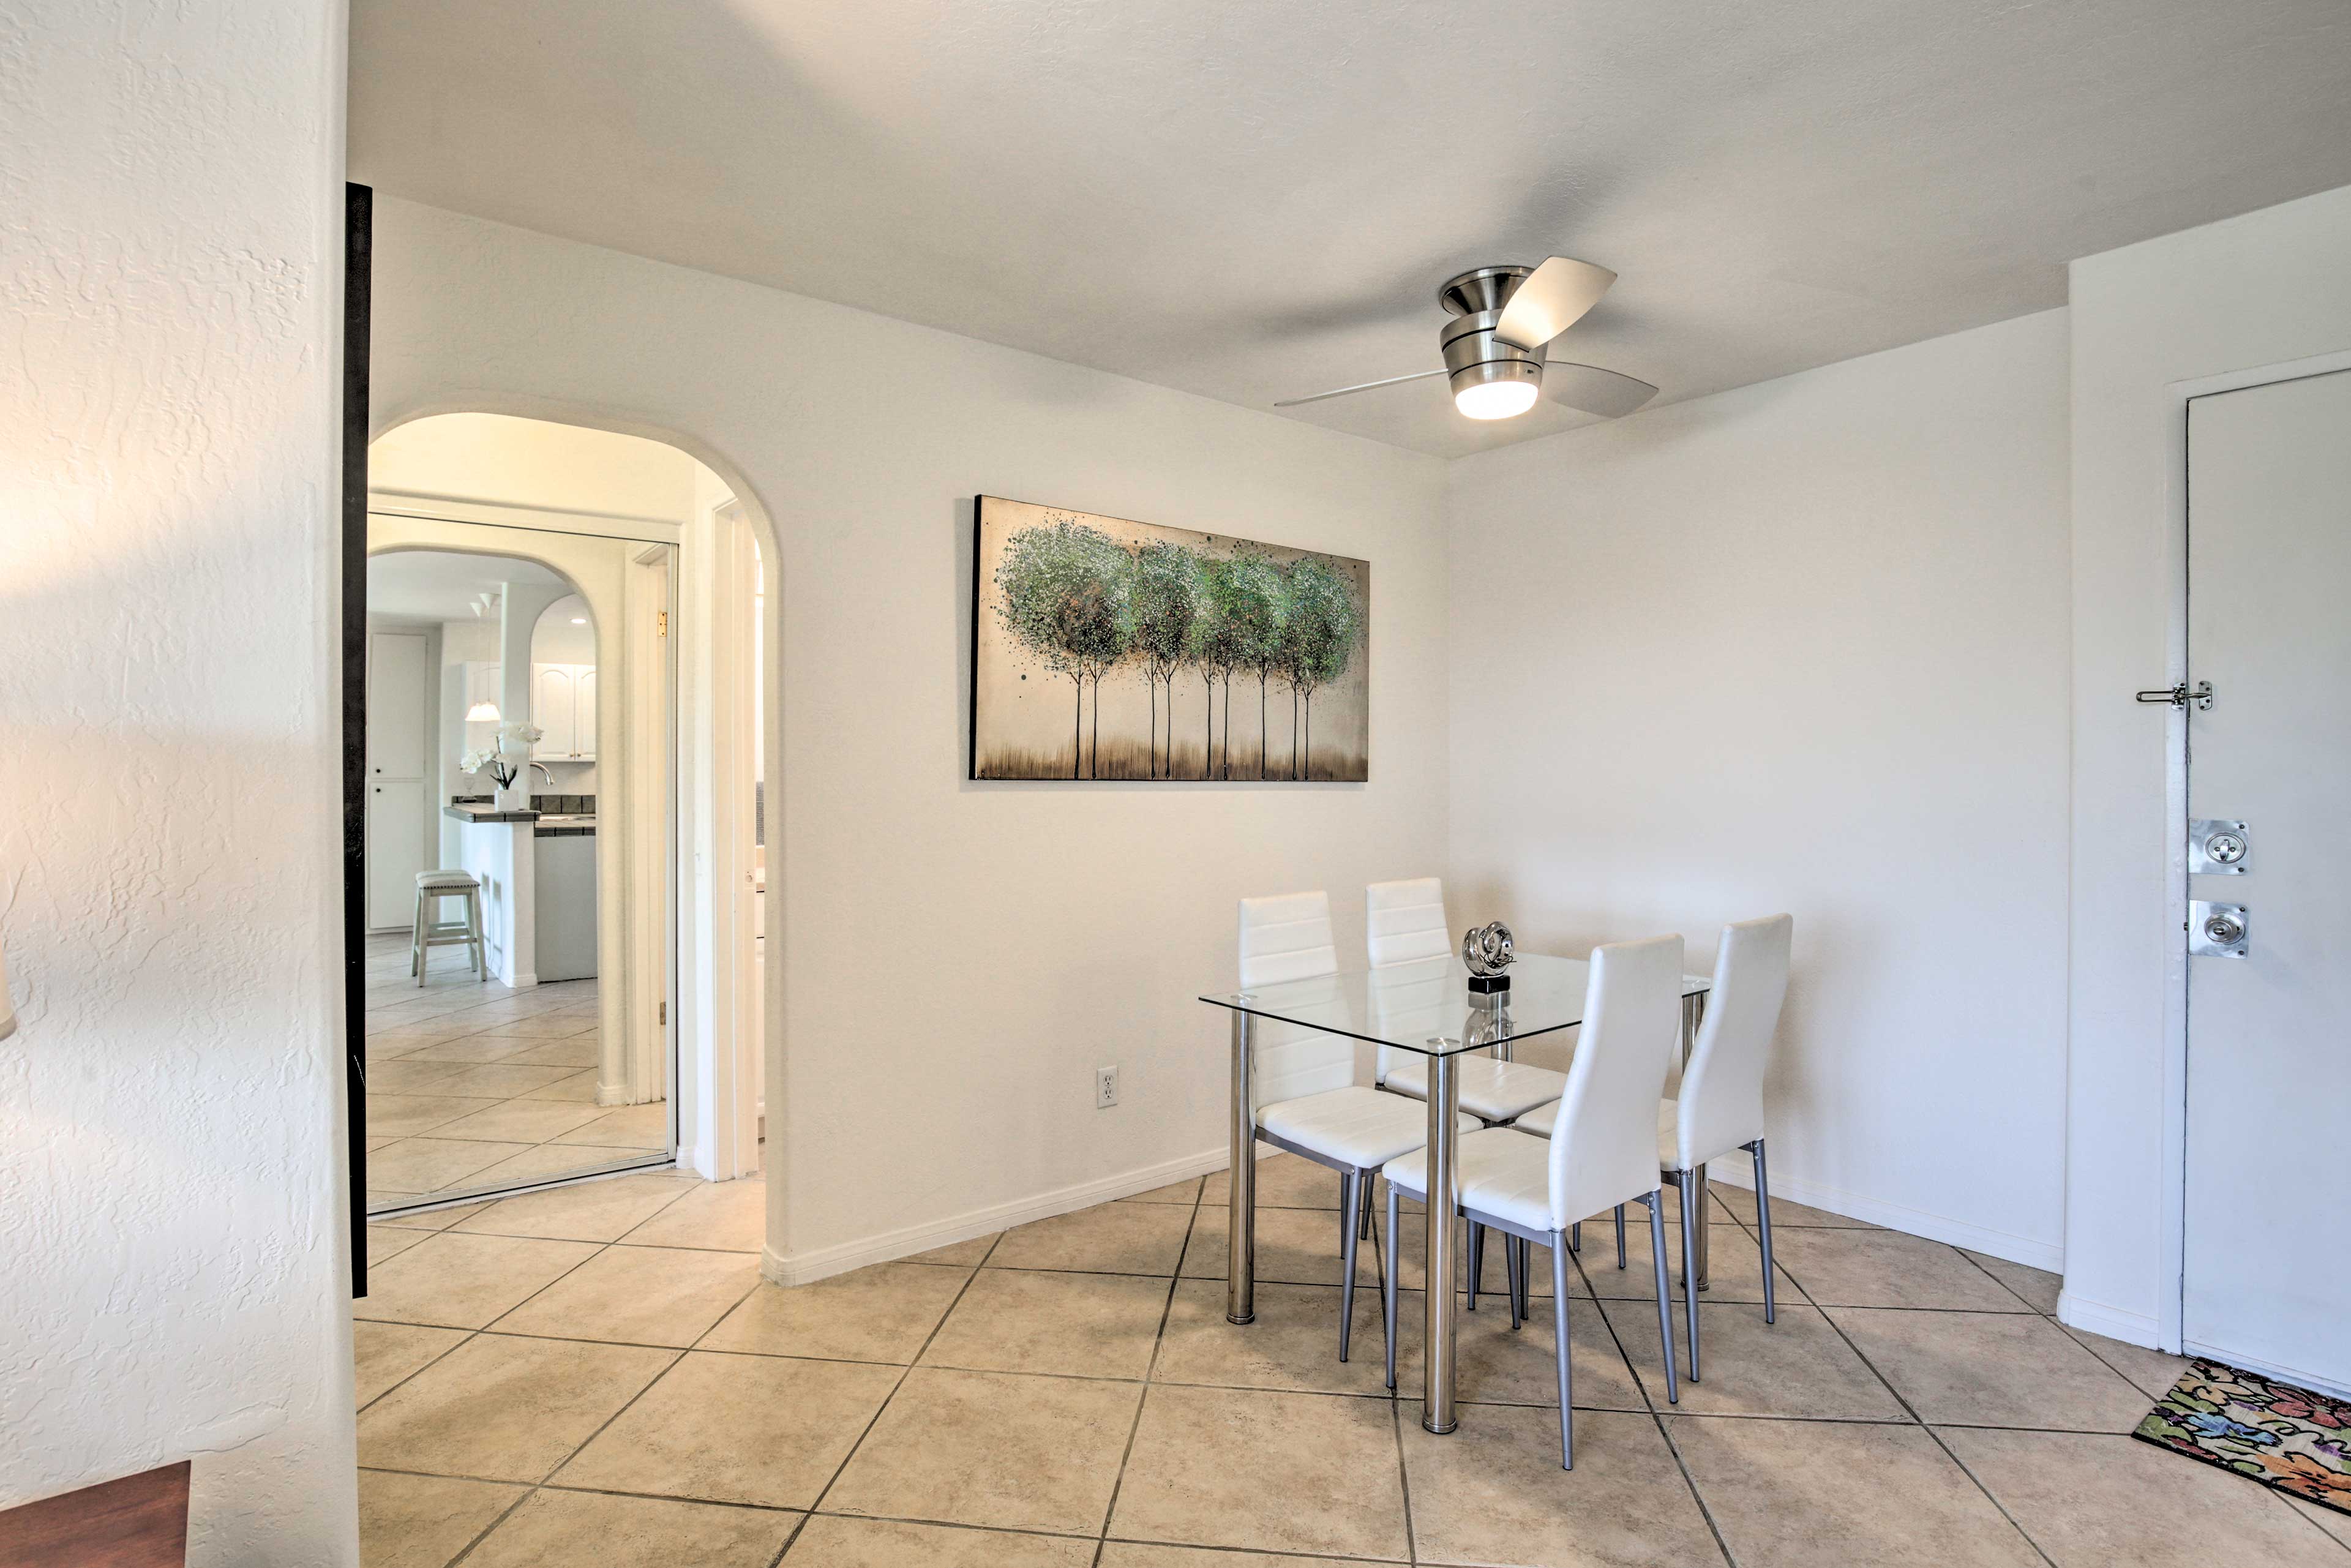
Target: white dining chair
<point x="1720" y="1105"/>
<point x="1303" y="1096"/>
<point x="1404" y="923"/>
<point x="1601" y="1151"/>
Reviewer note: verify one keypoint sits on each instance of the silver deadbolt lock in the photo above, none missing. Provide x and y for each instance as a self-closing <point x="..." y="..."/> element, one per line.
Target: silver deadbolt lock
<point x="2218" y="847"/>
<point x="2217" y="930"/>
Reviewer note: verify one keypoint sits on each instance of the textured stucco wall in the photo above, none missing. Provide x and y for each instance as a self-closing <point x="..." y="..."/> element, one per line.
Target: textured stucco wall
<point x="171" y="1283"/>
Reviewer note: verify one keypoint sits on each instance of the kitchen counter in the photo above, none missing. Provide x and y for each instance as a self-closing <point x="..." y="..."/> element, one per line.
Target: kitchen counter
<point x="465" y="811"/>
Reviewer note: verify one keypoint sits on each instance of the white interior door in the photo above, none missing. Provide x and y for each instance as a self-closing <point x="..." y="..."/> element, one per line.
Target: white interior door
<point x="395" y="726"/>
<point x="2267" y="1250"/>
<point x="396" y="745"/>
<point x="395" y="850"/>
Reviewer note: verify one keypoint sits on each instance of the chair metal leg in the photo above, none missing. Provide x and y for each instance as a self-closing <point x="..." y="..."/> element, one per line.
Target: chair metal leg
<point x="1388" y="1287"/>
<point x="1363" y="1232"/>
<point x="1512" y="1278"/>
<point x="1665" y="1292"/>
<point x="1763" y="1228"/>
<point x="1477" y="1262"/>
<point x="1620" y="1235"/>
<point x="1350" y="1189"/>
<point x="474" y="914"/>
<point x="1526" y="1282"/>
<point x="1559" y="1335"/>
<point x="1575" y="1236"/>
<point x="1682" y="1180"/>
<point x="417" y="951"/>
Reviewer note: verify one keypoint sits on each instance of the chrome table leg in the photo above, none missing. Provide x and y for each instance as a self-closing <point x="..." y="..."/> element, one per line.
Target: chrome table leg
<point x="1437" y="1297"/>
<point x="1694" y="1013"/>
<point x="1241" y="1252"/>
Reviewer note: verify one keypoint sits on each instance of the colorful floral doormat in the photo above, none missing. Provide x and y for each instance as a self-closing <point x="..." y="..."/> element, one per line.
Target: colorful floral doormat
<point x="2291" y="1438"/>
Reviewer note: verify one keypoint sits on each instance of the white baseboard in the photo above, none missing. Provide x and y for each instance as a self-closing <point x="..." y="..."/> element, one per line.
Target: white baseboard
<point x="2294" y="1375"/>
<point x="2141" y="1328"/>
<point x="806" y="1268"/>
<point x="2101" y="1318"/>
<point x="1736" y="1172"/>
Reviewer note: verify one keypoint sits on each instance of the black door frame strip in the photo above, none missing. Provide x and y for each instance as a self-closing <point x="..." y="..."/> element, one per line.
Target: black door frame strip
<point x="359" y="222"/>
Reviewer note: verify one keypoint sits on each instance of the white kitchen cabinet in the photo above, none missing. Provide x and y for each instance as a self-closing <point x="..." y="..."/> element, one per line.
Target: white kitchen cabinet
<point x="563" y="706"/>
<point x="583" y="727"/>
<point x="552" y="701"/>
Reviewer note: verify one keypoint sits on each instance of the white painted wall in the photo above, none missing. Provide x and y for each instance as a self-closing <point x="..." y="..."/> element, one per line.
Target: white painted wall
<point x="1803" y="646"/>
<point x="2263" y="289"/>
<point x="964" y="955"/>
<point x="530" y="462"/>
<point x="170" y="1112"/>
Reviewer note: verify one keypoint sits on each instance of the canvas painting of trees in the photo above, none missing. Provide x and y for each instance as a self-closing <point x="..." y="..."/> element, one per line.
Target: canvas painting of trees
<point x="1107" y="649"/>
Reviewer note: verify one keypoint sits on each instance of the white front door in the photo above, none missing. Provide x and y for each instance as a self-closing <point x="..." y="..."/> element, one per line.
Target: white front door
<point x="2267" y="1250"/>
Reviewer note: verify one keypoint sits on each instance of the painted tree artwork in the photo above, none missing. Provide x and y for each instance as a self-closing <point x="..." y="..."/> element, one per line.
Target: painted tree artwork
<point x="1104" y="649"/>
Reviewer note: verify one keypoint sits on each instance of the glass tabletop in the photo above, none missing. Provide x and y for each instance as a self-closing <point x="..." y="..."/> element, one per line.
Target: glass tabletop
<point x="1426" y="1006"/>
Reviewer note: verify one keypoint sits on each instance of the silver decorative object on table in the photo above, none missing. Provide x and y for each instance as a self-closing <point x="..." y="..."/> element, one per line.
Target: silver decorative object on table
<point x="1488" y="950"/>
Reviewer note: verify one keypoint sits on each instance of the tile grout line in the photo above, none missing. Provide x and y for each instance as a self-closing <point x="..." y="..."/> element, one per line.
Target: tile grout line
<point x="676" y="1360"/>
<point x="1150" y="1369"/>
<point x="1404" y="1471"/>
<point x="1151" y="1378"/>
<point x="1641" y="1384"/>
<point x="879" y="1410"/>
<point x="1932" y="1436"/>
<point x="532" y="1490"/>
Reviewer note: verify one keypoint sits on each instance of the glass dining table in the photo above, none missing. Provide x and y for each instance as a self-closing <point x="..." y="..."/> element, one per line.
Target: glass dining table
<point x="1427" y="1007"/>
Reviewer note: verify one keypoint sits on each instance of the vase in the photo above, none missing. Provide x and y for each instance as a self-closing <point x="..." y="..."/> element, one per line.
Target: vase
<point x="516" y="797"/>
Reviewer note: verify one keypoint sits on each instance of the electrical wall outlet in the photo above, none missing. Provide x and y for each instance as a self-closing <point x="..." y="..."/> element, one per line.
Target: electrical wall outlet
<point x="1105" y="1088"/>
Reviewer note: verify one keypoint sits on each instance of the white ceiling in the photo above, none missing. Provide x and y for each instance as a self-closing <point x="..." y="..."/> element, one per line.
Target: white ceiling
<point x="440" y="585"/>
<point x="1255" y="201"/>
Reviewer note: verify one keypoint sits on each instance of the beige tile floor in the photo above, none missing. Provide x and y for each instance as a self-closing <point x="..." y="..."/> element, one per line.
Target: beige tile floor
<point x="473" y="1086"/>
<point x="597" y="1374"/>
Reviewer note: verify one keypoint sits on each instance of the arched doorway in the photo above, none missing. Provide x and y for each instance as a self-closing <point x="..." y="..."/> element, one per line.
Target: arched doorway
<point x="563" y="496"/>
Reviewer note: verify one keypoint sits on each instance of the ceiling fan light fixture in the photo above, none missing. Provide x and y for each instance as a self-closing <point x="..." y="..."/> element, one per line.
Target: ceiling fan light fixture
<point x="1494" y="400"/>
<point x="1503" y="321"/>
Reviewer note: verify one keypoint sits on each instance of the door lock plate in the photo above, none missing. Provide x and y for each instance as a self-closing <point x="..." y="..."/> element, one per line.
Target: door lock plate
<point x="2217" y="930"/>
<point x="2218" y="847"/>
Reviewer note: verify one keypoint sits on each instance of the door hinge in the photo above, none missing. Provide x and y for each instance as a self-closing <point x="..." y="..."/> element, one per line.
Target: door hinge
<point x="664" y="1019"/>
<point x="2180" y="696"/>
<point x="663" y="629"/>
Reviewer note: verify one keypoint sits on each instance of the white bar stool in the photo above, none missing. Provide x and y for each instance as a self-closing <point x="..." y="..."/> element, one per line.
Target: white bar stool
<point x="431" y="931"/>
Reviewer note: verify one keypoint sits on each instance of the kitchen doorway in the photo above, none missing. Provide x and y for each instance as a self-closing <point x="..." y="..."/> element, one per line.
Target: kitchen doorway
<point x="519" y="852"/>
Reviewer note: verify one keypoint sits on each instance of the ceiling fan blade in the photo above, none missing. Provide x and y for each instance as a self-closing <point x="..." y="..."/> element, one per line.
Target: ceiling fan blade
<point x="1593" y="390"/>
<point x="1551" y="299"/>
<point x="1359" y="386"/>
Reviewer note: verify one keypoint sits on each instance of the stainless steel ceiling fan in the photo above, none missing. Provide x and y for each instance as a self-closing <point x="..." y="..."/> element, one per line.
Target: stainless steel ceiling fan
<point x="1503" y="320"/>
